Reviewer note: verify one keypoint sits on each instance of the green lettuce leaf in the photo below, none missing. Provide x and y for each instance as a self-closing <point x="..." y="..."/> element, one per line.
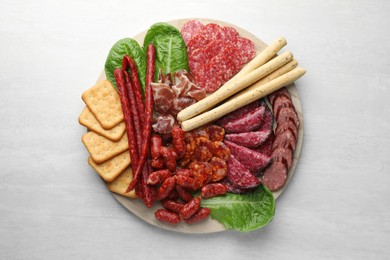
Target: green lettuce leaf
<point x="171" y="51"/>
<point x="114" y="59"/>
<point x="243" y="212"/>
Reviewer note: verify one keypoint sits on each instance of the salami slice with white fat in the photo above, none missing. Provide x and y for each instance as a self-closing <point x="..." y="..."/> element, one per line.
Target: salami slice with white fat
<point x="252" y="160"/>
<point x="284" y="155"/>
<point x="189" y="29"/>
<point x="285" y="139"/>
<point x="249" y="139"/>
<point x="287" y="125"/>
<point x="239" y="113"/>
<point x="275" y="176"/>
<point x="281" y="91"/>
<point x="288" y="114"/>
<point x="248" y="122"/>
<point x="266" y="147"/>
<point x="239" y="175"/>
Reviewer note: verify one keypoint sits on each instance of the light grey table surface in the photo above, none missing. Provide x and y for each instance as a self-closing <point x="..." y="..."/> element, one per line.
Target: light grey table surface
<point x="53" y="206"/>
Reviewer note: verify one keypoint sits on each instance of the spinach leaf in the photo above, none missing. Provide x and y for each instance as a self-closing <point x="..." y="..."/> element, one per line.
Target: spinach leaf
<point x="243" y="212"/>
<point x="171" y="51"/>
<point x="114" y="59"/>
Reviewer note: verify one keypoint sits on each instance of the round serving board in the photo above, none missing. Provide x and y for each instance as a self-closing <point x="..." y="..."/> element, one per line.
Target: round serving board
<point x="138" y="208"/>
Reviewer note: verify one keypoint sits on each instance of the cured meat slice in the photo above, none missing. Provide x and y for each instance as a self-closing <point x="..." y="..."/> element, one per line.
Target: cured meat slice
<point x="204" y="149"/>
<point x="234" y="189"/>
<point x="239" y="175"/>
<point x="247" y="122"/>
<point x="246" y="47"/>
<point x="221" y="66"/>
<point x="230" y="33"/>
<point x="239" y="113"/>
<point x="286" y="139"/>
<point x="189" y="29"/>
<point x="284" y="155"/>
<point x="212" y="31"/>
<point x="281" y="101"/>
<point x="252" y="160"/>
<point x="219" y="169"/>
<point x="287" y="125"/>
<point x="196" y="42"/>
<point x="216" y="133"/>
<point x="275" y="176"/>
<point x="230" y="50"/>
<point x="206" y="80"/>
<point x="184" y="87"/>
<point x="201" y="171"/>
<point x="163" y="97"/>
<point x="178" y="104"/>
<point x="281" y="91"/>
<point x="220" y="150"/>
<point x="266" y="147"/>
<point x="288" y="114"/>
<point x="249" y="139"/>
<point x="268" y="121"/>
<point x="163" y="124"/>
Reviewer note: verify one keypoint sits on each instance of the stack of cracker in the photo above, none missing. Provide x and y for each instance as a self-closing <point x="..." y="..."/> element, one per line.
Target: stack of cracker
<point x="106" y="140"/>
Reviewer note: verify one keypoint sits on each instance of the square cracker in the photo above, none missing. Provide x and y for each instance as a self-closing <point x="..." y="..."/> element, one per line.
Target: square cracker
<point x="120" y="184"/>
<point x="102" y="149"/>
<point x="112" y="168"/>
<point x="104" y="103"/>
<point x="88" y="120"/>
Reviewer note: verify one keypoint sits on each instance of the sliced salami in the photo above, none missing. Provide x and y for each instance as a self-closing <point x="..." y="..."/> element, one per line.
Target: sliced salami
<point x="189" y="29"/>
<point x="247" y="122"/>
<point x="212" y="31"/>
<point x="281" y="91"/>
<point x="268" y="121"/>
<point x="249" y="139"/>
<point x="196" y="42"/>
<point x="238" y="113"/>
<point x="266" y="147"/>
<point x="234" y="189"/>
<point x="252" y="160"/>
<point x="230" y="33"/>
<point x="281" y="101"/>
<point x="219" y="168"/>
<point x="286" y="139"/>
<point x="275" y="176"/>
<point x="239" y="175"/>
<point x="202" y="56"/>
<point x="287" y="125"/>
<point x="221" y="66"/>
<point x="246" y="47"/>
<point x="288" y="114"/>
<point x="284" y="155"/>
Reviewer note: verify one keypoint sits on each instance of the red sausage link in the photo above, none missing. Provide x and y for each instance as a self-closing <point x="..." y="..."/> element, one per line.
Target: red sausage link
<point x="155" y="147"/>
<point x="148" y="191"/>
<point x="172" y="205"/>
<point x="169" y="157"/>
<point x="173" y="195"/>
<point x="212" y="190"/>
<point x="147" y="129"/>
<point x="164" y="215"/>
<point x="190" y="208"/>
<point x="158" y="177"/>
<point x="187" y="182"/>
<point x="202" y="214"/>
<point x="166" y="187"/>
<point x="135" y="82"/>
<point x="178" y="141"/>
<point x="157" y="163"/>
<point x="134" y="110"/>
<point x="120" y="81"/>
<point x="183" y="194"/>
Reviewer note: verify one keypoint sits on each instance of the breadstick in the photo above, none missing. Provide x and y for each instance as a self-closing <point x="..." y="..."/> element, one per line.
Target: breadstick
<point x="234" y="85"/>
<point x="279" y="72"/>
<point x="242" y="100"/>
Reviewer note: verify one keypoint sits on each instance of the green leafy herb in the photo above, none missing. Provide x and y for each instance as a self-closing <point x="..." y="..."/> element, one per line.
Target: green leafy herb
<point x="171" y="51"/>
<point x="243" y="212"/>
<point x="115" y="56"/>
